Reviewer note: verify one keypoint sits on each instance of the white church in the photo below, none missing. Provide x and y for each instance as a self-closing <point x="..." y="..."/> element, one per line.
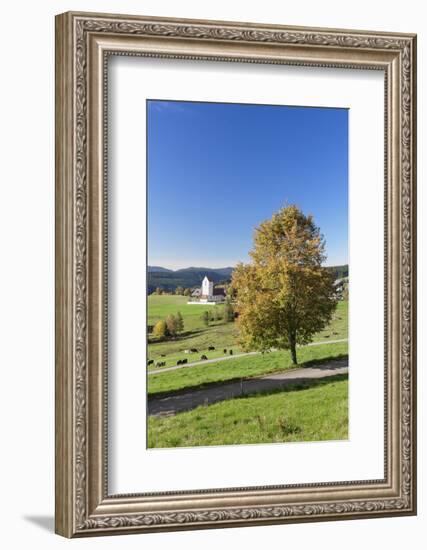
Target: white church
<point x="207" y="294"/>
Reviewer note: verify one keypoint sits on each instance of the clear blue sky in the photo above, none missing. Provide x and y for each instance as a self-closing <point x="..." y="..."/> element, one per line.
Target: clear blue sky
<point x="216" y="170"/>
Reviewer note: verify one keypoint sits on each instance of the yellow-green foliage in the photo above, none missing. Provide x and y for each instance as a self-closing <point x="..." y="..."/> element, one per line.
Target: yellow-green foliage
<point x="285" y="295"/>
<point x="160" y="329"/>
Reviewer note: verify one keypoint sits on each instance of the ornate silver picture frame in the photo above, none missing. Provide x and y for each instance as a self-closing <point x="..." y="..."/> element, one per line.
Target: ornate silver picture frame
<point x="84" y="505"/>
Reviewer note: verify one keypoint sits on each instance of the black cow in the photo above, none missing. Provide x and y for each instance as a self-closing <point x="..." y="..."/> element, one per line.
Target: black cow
<point x="211" y="348"/>
<point x="179" y="362"/>
<point x="150" y="362"/>
<point x="231" y="352"/>
<point x="203" y="358"/>
<point x="184" y="361"/>
<point x="224" y="351"/>
<point x="194" y="350"/>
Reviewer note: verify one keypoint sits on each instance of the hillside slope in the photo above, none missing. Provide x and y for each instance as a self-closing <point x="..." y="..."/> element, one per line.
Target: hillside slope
<point x="190" y="277"/>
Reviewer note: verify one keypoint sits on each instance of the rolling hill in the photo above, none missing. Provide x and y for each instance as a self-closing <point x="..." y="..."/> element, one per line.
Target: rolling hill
<point x="187" y="278"/>
<point x="158" y="269"/>
<point x="339" y="271"/>
<point x="190" y="277"/>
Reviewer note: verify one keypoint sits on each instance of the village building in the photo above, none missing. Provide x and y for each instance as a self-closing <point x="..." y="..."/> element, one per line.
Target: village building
<point x="208" y="294"/>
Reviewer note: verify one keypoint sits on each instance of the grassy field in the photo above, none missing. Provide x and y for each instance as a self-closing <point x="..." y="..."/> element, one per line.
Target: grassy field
<point x="161" y="306"/>
<point x="218" y="334"/>
<point x="338" y="327"/>
<point x="240" y="367"/>
<point x="315" y="412"/>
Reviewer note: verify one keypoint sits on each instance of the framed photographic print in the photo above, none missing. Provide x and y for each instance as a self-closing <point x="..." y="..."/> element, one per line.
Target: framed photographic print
<point x="235" y="274"/>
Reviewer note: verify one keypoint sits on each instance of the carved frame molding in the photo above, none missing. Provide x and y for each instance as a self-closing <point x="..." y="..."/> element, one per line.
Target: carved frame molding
<point x="83" y="42"/>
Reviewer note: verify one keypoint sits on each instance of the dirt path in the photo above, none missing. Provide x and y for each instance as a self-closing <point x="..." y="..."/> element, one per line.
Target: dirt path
<point x="228" y="357"/>
<point x="185" y="401"/>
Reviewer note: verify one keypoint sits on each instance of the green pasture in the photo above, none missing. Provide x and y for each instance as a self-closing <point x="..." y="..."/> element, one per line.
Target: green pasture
<point x="196" y="334"/>
<point x="240" y="367"/>
<point x="338" y="327"/>
<point x="315" y="411"/>
<point x="159" y="307"/>
<point x="219" y="334"/>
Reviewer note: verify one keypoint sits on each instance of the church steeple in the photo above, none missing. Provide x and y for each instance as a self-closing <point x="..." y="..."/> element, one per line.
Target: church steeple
<point x="207" y="287"/>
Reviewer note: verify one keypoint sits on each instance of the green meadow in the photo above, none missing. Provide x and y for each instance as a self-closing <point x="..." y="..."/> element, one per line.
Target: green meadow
<point x="240" y="367"/>
<point x="161" y="306"/>
<point x="196" y="334"/>
<point x="316" y="411"/>
<point x="219" y="334"/>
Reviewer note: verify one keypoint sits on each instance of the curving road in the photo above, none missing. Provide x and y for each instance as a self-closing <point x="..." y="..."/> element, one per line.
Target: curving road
<point x="187" y="400"/>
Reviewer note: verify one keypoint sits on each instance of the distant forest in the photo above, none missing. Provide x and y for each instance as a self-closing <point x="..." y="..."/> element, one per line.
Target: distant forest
<point x="339" y="271"/>
<point x="167" y="279"/>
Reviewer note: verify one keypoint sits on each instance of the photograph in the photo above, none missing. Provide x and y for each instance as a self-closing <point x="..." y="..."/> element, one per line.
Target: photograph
<point x="248" y="279"/>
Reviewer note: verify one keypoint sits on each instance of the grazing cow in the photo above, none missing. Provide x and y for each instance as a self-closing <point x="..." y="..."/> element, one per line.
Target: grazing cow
<point x="158" y="364"/>
<point x="224" y="351"/>
<point x="184" y="361"/>
<point x="231" y="352"/>
<point x="203" y="358"/>
<point x="187" y="351"/>
<point x="163" y="355"/>
<point x="179" y="362"/>
<point x="150" y="362"/>
<point x="194" y="350"/>
<point x="211" y="348"/>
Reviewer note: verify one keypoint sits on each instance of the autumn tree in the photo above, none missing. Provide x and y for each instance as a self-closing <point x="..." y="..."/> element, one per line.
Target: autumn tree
<point x="179" y="322"/>
<point x="160" y="330"/>
<point x="284" y="295"/>
<point x="171" y="325"/>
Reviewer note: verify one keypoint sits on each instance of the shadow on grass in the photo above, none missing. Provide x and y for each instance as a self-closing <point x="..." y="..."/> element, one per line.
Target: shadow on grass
<point x="315" y="363"/>
<point x="182" y="336"/>
<point x="319" y="363"/>
<point x="299" y="384"/>
<point x="174" y="404"/>
<point x="187" y="334"/>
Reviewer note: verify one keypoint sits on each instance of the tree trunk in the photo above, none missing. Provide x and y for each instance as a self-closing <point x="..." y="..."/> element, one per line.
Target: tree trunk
<point x="293" y="347"/>
<point x="294" y="354"/>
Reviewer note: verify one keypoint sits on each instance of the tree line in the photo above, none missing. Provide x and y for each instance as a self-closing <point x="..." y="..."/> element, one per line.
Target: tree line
<point x="179" y="291"/>
<point x="227" y="314"/>
<point x="169" y="327"/>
